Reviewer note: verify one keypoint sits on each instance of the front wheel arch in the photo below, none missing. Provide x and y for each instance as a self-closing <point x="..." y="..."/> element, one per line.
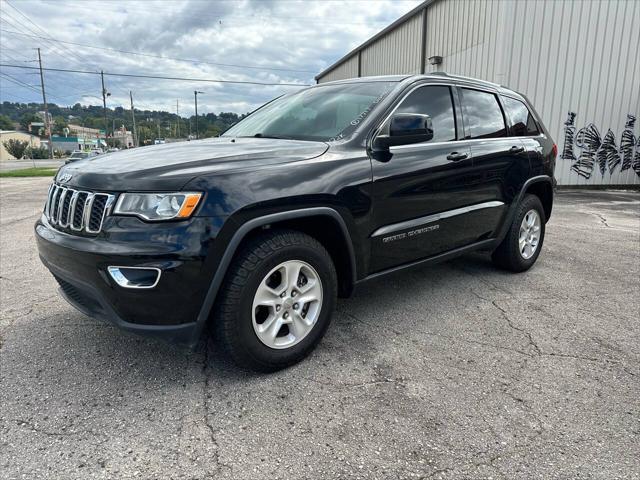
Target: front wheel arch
<point x="257" y="224"/>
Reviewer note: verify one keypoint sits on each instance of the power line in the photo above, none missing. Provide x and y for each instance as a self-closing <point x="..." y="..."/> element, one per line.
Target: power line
<point x="35" y="88"/>
<point x="42" y="30"/>
<point x="160" y="77"/>
<point x="151" y="55"/>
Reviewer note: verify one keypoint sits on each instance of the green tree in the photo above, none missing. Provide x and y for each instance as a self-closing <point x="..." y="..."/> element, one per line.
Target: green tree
<point x="59" y="124"/>
<point x="6" y="123"/>
<point x="16" y="148"/>
<point x="26" y="119"/>
<point x="39" y="153"/>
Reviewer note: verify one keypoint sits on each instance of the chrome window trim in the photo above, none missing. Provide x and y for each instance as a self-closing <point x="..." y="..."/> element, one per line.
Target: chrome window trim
<point x="416" y="222"/>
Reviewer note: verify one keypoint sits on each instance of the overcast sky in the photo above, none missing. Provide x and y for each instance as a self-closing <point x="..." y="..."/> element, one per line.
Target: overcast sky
<point x="287" y="41"/>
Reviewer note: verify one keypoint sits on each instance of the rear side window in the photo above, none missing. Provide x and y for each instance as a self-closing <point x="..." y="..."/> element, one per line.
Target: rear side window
<point x="483" y="115"/>
<point x="522" y="122"/>
<point x="436" y="102"/>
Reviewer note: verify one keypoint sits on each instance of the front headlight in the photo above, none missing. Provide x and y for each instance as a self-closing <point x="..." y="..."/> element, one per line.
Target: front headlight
<point x="158" y="206"/>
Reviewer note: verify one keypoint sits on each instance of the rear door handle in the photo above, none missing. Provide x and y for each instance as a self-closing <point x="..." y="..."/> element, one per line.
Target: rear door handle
<point x="455" y="156"/>
<point x="516" y="149"/>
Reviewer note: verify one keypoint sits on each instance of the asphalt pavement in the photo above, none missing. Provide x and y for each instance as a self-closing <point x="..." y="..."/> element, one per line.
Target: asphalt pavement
<point x="454" y="371"/>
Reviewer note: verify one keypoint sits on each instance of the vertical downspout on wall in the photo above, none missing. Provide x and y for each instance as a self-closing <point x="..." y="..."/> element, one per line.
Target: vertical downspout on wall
<point x="423" y="49"/>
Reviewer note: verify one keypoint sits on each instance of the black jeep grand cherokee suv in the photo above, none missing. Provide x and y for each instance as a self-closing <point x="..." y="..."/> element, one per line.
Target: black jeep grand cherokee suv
<point x="256" y="232"/>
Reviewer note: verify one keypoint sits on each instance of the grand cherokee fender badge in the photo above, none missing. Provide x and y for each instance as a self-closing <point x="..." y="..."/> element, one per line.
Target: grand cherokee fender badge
<point x="64" y="178"/>
<point x="412" y="233"/>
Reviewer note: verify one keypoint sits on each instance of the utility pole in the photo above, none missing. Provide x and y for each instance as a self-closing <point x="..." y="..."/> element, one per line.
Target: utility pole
<point x="105" y="94"/>
<point x="195" y="93"/>
<point x="177" y="120"/>
<point x="133" y="117"/>
<point x="47" y="123"/>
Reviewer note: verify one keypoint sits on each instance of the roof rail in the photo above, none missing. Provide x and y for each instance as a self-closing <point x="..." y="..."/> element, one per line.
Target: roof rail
<point x="462" y="77"/>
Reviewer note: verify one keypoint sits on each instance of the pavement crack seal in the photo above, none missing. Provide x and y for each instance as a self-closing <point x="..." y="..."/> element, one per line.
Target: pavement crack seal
<point x="205" y="405"/>
<point x="505" y="315"/>
<point x="602" y="220"/>
<point x="439" y="335"/>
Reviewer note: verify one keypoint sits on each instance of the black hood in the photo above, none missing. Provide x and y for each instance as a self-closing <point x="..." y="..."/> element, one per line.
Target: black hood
<point x="170" y="166"/>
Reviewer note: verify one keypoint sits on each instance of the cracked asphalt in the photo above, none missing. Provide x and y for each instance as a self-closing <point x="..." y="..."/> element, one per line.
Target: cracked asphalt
<point x="453" y="371"/>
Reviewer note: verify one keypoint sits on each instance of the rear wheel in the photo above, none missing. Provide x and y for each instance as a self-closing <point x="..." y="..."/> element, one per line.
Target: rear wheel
<point x="521" y="246"/>
<point x="277" y="300"/>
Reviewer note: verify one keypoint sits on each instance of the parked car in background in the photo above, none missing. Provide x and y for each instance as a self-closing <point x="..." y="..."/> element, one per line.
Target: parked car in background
<point x="256" y="233"/>
<point x="80" y="155"/>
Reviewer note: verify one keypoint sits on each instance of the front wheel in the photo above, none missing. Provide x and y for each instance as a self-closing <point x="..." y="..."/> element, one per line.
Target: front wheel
<point x="521" y="246"/>
<point x="277" y="300"/>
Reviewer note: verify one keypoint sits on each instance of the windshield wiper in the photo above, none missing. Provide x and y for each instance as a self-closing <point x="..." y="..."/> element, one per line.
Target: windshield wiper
<point x="262" y="135"/>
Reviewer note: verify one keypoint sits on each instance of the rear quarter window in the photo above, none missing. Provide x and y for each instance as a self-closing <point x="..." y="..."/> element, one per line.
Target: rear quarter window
<point x="522" y="122"/>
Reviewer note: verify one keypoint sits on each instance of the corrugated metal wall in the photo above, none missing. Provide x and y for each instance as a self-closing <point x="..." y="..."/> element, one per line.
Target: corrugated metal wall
<point x="347" y="69"/>
<point x="567" y="56"/>
<point x="397" y="52"/>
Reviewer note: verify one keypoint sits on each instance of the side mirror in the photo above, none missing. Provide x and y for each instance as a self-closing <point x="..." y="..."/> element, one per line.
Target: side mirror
<point x="406" y="128"/>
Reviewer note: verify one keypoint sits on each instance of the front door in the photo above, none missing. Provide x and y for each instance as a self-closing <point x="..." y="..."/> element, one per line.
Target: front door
<point x="420" y="202"/>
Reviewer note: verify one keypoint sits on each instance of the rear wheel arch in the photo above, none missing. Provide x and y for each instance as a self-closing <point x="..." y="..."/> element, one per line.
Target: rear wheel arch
<point x="542" y="188"/>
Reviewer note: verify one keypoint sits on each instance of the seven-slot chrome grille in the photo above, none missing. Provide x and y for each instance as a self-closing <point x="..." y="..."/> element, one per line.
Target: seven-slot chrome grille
<point x="77" y="210"/>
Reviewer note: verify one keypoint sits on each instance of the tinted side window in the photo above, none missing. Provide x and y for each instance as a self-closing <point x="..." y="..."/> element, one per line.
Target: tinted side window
<point x="522" y="121"/>
<point x="436" y="102"/>
<point x="483" y="115"/>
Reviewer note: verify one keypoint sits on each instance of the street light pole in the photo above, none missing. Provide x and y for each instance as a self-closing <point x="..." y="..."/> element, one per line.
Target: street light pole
<point x="195" y="94"/>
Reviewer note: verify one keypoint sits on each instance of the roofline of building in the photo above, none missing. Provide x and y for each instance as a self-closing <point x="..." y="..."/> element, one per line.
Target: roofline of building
<point x="381" y="33"/>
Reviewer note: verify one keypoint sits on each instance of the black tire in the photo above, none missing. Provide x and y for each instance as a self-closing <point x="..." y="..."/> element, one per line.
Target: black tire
<point x="507" y="255"/>
<point x="234" y="317"/>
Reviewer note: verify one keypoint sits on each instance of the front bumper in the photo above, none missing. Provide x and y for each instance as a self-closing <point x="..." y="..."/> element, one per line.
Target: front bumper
<point x="168" y="310"/>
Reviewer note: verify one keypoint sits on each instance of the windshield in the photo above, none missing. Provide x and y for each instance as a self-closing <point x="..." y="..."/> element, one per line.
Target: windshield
<point x="79" y="155"/>
<point x="324" y="113"/>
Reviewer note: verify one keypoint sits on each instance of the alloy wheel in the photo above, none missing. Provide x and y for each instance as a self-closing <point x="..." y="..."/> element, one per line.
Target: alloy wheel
<point x="287" y="304"/>
<point x="529" y="237"/>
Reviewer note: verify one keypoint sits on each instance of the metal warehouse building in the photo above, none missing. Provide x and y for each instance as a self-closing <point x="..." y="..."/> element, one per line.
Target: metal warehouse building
<point x="578" y="61"/>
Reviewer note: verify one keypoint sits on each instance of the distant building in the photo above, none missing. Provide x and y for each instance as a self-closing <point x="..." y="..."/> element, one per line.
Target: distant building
<point x="124" y="137"/>
<point x="5" y="135"/>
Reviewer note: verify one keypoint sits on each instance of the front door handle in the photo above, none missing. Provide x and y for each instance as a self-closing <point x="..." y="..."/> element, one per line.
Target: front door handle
<point x="516" y="149"/>
<point x="455" y="156"/>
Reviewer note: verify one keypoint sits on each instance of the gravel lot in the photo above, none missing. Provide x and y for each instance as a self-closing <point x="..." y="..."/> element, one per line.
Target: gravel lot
<point x="453" y="371"/>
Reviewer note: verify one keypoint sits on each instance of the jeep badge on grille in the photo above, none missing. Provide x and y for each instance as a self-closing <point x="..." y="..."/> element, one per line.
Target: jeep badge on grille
<point x="64" y="178"/>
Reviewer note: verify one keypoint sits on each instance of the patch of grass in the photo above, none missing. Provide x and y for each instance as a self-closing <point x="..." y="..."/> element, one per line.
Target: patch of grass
<point x="30" y="172"/>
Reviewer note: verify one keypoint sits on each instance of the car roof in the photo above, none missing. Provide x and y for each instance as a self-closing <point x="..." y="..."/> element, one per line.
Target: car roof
<point x="437" y="76"/>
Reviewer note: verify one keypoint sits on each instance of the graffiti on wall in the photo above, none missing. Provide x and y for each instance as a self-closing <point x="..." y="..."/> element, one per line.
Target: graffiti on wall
<point x="598" y="152"/>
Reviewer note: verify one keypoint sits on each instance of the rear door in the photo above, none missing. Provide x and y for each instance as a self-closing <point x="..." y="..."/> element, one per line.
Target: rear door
<point x="500" y="162"/>
<point x="523" y="125"/>
<point x="418" y="194"/>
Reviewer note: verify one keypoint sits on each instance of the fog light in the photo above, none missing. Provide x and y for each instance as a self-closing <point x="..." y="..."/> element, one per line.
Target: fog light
<point x="135" y="277"/>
